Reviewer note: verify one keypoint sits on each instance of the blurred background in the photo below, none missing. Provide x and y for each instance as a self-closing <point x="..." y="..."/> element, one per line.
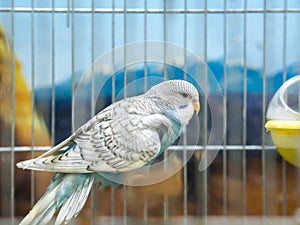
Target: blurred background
<point x="250" y="47"/>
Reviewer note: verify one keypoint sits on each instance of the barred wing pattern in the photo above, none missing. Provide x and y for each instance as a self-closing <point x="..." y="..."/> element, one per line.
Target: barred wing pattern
<point x="120" y="138"/>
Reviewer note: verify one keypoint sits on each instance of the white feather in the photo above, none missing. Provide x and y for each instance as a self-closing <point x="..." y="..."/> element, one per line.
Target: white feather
<point x="52" y="164"/>
<point x="73" y="205"/>
<point x="79" y="199"/>
<point x="83" y="197"/>
<point x="54" y="149"/>
<point x="45" y="218"/>
<point x="45" y="204"/>
<point x="63" y="211"/>
<point x="68" y="194"/>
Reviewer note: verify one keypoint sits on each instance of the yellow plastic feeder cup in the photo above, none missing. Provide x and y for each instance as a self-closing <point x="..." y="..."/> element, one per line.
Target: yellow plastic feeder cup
<point x="286" y="137"/>
<point x="284" y="121"/>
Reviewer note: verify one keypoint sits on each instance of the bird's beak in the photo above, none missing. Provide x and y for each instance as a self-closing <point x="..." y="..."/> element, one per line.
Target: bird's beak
<point x="196" y="104"/>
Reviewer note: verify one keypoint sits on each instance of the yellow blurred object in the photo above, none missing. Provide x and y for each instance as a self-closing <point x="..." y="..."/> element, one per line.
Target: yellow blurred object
<point x="23" y="128"/>
<point x="9" y="65"/>
<point x="286" y="137"/>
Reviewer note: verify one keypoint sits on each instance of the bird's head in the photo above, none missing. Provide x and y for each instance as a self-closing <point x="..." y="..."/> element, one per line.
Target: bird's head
<point x="178" y="95"/>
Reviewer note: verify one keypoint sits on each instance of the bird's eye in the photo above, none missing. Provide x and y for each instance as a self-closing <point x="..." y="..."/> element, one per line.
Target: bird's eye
<point x="184" y="94"/>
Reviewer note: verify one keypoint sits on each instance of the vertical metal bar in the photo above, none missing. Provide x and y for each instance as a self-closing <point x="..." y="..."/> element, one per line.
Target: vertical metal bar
<point x="284" y="192"/>
<point x="125" y="49"/>
<point x="53" y="75"/>
<point x="166" y="200"/>
<point x="145" y="211"/>
<point x="32" y="190"/>
<point x="73" y="68"/>
<point x="244" y="138"/>
<point x="92" y="216"/>
<point x="68" y="13"/>
<point x="185" y="183"/>
<point x="205" y="197"/>
<point x="284" y="74"/>
<point x="145" y="217"/>
<point x="112" y="197"/>
<point x="165" y="39"/>
<point x="264" y="112"/>
<point x="113" y="55"/>
<point x="112" y="209"/>
<point x="145" y="46"/>
<point x="124" y="205"/>
<point x="185" y="39"/>
<point x="93" y="58"/>
<point x="225" y="110"/>
<point x="125" y="95"/>
<point x="12" y="155"/>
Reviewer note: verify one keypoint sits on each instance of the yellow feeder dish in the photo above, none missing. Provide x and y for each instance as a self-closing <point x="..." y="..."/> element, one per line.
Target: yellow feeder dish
<point x="286" y="137"/>
<point x="284" y="120"/>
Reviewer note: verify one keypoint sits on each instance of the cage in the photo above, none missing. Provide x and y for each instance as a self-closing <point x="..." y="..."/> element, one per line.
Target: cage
<point x="238" y="52"/>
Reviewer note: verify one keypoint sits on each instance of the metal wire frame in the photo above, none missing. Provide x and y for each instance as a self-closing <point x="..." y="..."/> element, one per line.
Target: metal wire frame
<point x="149" y="10"/>
<point x="12" y="150"/>
<point x="205" y="111"/>
<point x="244" y="138"/>
<point x="166" y="200"/>
<point x="225" y="112"/>
<point x="164" y="11"/>
<point x="171" y="148"/>
<point x="263" y="154"/>
<point x="125" y="95"/>
<point x="284" y="74"/>
<point x="112" y="197"/>
<point x="32" y="188"/>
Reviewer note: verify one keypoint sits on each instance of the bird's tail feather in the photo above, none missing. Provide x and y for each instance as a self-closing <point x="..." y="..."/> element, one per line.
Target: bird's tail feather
<point x="67" y="193"/>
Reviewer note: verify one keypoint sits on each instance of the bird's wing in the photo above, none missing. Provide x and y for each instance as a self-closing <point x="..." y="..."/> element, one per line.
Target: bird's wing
<point x="38" y="162"/>
<point x="121" y="142"/>
<point x="118" y="139"/>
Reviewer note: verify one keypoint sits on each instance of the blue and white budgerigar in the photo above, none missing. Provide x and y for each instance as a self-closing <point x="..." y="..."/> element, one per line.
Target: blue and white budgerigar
<point x="124" y="136"/>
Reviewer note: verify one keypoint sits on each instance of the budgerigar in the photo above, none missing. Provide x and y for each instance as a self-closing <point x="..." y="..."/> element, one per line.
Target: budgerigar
<point x="124" y="136"/>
